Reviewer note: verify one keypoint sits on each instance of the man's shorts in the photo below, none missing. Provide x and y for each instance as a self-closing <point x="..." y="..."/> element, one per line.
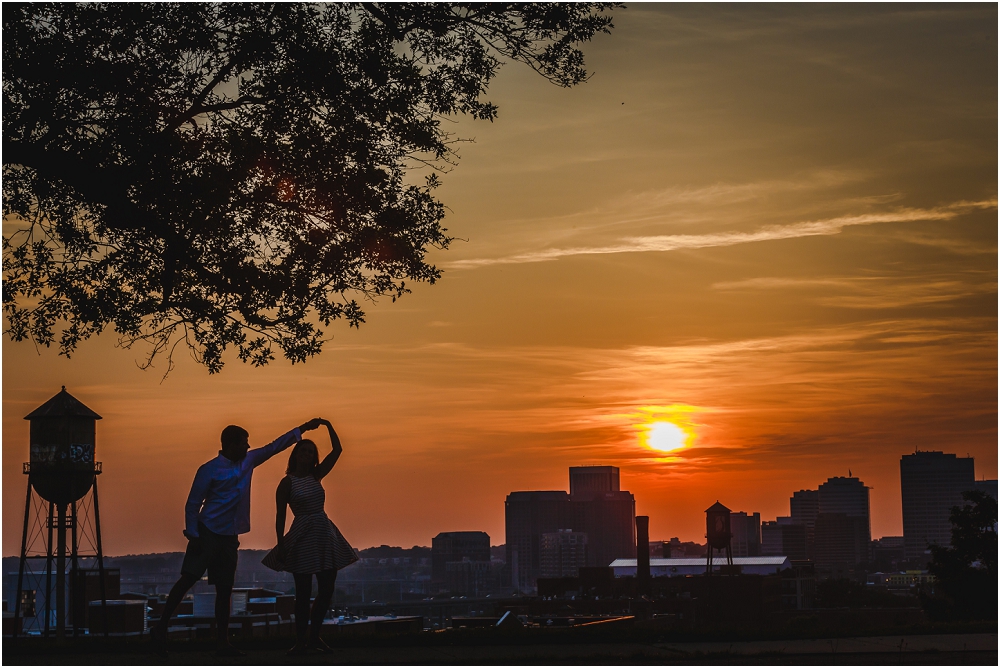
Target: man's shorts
<point x="212" y="552"/>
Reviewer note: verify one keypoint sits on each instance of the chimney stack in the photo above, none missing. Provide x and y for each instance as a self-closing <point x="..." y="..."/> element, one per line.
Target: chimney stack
<point x="642" y="552"/>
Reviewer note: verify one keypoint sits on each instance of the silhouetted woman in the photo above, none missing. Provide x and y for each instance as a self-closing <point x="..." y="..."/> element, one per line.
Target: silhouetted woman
<point x="313" y="544"/>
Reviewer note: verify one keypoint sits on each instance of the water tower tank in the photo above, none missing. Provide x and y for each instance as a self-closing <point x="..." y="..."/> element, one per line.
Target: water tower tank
<point x="718" y="532"/>
<point x="62" y="465"/>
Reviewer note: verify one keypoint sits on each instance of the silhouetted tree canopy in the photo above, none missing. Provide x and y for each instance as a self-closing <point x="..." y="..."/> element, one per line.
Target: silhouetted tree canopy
<point x="236" y="175"/>
<point x="966" y="572"/>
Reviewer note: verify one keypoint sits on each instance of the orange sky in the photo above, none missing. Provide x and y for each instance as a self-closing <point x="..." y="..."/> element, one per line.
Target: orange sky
<point x="777" y="224"/>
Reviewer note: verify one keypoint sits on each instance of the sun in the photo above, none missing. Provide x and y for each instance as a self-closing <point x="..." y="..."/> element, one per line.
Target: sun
<point x="665" y="436"/>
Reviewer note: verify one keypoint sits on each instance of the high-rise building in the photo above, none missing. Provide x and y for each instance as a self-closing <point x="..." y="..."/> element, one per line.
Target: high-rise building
<point x="528" y="515"/>
<point x="842" y="533"/>
<point x="931" y="483"/>
<point x="564" y="552"/>
<point x="586" y="480"/>
<point x="604" y="512"/>
<point x="595" y="506"/>
<point x="844" y="495"/>
<point x="804" y="506"/>
<point x="746" y="534"/>
<point x="454" y="547"/>
<point x="841" y="543"/>
<point x="783" y="537"/>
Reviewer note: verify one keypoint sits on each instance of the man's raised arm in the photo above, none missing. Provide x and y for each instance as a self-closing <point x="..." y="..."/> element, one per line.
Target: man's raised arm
<point x="261" y="455"/>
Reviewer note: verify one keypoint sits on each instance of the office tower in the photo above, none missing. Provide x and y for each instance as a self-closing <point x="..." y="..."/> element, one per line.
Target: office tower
<point x="563" y="553"/>
<point x="528" y="515"/>
<point x="586" y="480"/>
<point x="931" y="483"/>
<point x="608" y="519"/>
<point x="746" y="534"/>
<point x="844" y="495"/>
<point x="783" y="538"/>
<point x="842" y="531"/>
<point x="804" y="506"/>
<point x="605" y="513"/>
<point x="457" y="546"/>
<point x="841" y="545"/>
<point x="770" y="540"/>
<point x="595" y="506"/>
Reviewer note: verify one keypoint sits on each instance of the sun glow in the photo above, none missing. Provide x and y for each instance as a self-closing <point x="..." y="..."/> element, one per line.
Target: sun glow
<point x="667" y="429"/>
<point x="665" y="436"/>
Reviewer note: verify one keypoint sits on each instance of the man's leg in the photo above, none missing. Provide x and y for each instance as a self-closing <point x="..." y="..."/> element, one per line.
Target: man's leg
<point x="325" y="581"/>
<point x="222" y="574"/>
<point x="181" y="587"/>
<point x="223" y="597"/>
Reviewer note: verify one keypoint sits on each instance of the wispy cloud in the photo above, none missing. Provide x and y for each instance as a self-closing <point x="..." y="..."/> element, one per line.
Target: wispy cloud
<point x="875" y="292"/>
<point x="672" y="242"/>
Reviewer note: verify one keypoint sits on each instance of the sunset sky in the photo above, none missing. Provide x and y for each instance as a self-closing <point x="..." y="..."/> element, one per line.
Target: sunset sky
<point x="774" y="227"/>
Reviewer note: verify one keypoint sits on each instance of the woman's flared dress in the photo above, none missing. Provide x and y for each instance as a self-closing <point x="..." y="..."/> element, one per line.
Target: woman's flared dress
<point x="313" y="543"/>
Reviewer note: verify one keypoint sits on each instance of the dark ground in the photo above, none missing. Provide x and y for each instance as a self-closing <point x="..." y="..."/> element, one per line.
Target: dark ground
<point x="448" y="649"/>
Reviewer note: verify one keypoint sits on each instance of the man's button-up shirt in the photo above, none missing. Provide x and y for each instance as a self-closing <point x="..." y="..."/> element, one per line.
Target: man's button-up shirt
<point x="220" y="494"/>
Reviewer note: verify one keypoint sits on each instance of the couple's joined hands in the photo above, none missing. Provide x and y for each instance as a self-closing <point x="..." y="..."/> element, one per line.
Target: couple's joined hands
<point x="315" y="424"/>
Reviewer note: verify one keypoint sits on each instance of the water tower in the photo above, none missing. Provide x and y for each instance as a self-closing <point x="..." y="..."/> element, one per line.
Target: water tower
<point x="718" y="533"/>
<point x="62" y="473"/>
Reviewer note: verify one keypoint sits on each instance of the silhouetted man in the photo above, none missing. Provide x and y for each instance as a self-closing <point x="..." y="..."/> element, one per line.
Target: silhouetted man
<point x="217" y="511"/>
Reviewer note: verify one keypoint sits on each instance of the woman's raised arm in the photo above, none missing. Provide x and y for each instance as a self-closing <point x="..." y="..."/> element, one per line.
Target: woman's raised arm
<point x="326" y="465"/>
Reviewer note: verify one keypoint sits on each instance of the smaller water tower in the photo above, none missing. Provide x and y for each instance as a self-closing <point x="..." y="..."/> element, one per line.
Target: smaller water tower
<point x="62" y="471"/>
<point x="718" y="533"/>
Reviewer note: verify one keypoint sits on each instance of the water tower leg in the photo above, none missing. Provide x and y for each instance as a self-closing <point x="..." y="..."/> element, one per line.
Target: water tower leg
<point x="20" y="567"/>
<point x="74" y="571"/>
<point x="100" y="560"/>
<point x="61" y="573"/>
<point x="48" y="571"/>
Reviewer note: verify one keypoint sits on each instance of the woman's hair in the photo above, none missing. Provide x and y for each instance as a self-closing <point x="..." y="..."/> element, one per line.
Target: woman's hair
<point x="291" y="457"/>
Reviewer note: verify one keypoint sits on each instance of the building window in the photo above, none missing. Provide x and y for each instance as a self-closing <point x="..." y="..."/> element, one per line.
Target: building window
<point x="27" y="603"/>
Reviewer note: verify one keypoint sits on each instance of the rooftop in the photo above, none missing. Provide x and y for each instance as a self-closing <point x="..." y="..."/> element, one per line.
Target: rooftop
<point x="702" y="561"/>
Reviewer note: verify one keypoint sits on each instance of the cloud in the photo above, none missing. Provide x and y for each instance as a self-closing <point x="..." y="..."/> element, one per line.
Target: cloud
<point x="672" y="242"/>
<point x="876" y="292"/>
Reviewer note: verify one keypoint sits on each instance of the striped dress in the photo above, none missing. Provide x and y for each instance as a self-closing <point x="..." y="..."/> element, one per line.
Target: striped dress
<point x="313" y="543"/>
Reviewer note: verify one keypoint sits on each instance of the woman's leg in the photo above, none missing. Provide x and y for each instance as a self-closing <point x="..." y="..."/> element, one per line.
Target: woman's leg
<point x="326" y="581"/>
<point x="303" y="589"/>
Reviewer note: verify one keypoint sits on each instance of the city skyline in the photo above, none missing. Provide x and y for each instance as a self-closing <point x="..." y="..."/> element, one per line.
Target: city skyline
<point x="756" y="250"/>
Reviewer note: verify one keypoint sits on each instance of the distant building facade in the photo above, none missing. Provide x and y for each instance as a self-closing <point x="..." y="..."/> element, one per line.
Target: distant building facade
<point x="842" y="533"/>
<point x="563" y="553"/>
<point x="931" y="483"/>
<point x="469" y="578"/>
<point x="696" y="566"/>
<point x="804" y="506"/>
<point x="783" y="537"/>
<point x="595" y="506"/>
<point x="888" y="553"/>
<point x="528" y="515"/>
<point x="469" y="549"/>
<point x="745" y="528"/>
<point x="593" y="479"/>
